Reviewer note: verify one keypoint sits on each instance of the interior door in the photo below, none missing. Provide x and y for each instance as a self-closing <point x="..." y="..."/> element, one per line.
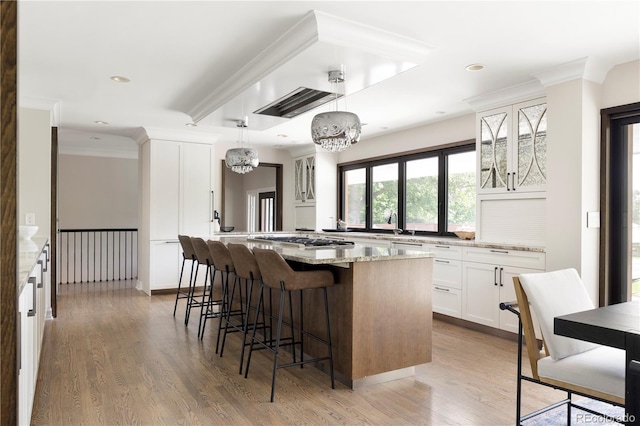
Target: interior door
<point x="267" y="211"/>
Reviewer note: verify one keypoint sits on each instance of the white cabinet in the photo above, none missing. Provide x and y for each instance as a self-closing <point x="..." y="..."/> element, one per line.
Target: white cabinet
<point x="176" y="193"/>
<point x="315" y="187"/>
<point x="166" y="258"/>
<point x="180" y="184"/>
<point x="487" y="276"/>
<point x="304" y="179"/>
<point x="32" y="308"/>
<point x="511" y="143"/>
<point x="447" y="279"/>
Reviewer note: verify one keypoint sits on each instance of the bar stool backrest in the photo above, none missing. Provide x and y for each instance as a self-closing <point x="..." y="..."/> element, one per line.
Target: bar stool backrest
<point x="187" y="247"/>
<point x="202" y="251"/>
<point x="221" y="257"/>
<point x="275" y="270"/>
<point x="244" y="261"/>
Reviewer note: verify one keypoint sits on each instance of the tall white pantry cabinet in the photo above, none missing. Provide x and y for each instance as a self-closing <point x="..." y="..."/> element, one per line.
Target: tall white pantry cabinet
<point x="177" y="198"/>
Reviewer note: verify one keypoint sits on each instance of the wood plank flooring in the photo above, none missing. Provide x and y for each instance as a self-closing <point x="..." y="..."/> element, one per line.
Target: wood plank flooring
<point x="116" y="356"/>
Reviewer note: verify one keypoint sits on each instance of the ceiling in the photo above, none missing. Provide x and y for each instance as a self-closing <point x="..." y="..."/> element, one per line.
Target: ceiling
<point x="211" y="62"/>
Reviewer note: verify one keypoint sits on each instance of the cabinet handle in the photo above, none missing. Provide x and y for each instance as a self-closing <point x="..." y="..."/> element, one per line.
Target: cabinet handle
<point x="32" y="312"/>
<point x="442" y="289"/>
<point x="499" y="251"/>
<point x="444" y="247"/>
<point x="212" y="214"/>
<point x="501" y="283"/>
<point x="406" y="244"/>
<point x="495" y="276"/>
<point x="508" y="176"/>
<point x="441" y="261"/>
<point x="42" y="270"/>
<point x="513" y="181"/>
<point x="171" y="242"/>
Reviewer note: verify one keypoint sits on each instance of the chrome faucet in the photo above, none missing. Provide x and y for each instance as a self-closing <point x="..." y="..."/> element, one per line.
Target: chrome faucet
<point x="396" y="230"/>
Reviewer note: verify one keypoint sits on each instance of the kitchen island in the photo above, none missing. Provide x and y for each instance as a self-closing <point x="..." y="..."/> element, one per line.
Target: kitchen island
<point x="380" y="307"/>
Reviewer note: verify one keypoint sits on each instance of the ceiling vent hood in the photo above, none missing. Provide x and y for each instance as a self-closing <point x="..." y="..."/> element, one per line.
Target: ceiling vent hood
<point x="297" y="102"/>
<point x="297" y="63"/>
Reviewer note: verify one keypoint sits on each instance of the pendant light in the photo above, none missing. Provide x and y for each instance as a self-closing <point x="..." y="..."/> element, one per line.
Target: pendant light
<point x="335" y="130"/>
<point x="242" y="160"/>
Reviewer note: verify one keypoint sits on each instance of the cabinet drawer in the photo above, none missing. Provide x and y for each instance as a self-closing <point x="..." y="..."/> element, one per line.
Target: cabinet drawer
<point x="516" y="258"/>
<point x="447" y="301"/>
<point x="447" y="273"/>
<point x="445" y="251"/>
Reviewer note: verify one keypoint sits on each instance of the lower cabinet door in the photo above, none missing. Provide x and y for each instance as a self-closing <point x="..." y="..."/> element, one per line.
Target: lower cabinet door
<point x="480" y="297"/>
<point x="164" y="263"/>
<point x="447" y="301"/>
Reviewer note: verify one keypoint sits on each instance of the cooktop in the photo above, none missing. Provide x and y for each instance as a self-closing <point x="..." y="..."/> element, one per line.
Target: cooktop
<point x="306" y="242"/>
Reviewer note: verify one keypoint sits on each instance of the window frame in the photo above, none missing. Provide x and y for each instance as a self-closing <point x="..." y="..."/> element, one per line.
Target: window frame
<point x="441" y="152"/>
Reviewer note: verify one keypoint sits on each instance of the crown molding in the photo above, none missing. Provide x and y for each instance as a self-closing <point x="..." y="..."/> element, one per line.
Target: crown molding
<point x="144" y="134"/>
<point x="509" y="95"/>
<point x="583" y="68"/>
<point x="314" y="28"/>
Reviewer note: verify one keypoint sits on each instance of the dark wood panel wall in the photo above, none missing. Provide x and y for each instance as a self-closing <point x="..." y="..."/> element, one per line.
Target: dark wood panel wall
<point x="8" y="213"/>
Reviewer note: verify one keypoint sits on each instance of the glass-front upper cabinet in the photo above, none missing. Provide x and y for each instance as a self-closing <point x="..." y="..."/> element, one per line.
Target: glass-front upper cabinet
<point x="512" y="147"/>
<point x="304" y="179"/>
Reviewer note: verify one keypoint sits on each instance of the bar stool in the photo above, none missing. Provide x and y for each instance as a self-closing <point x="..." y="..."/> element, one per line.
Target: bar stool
<point x="278" y="275"/>
<point x="246" y="269"/>
<point x="187" y="254"/>
<point x="203" y="255"/>
<point x="221" y="262"/>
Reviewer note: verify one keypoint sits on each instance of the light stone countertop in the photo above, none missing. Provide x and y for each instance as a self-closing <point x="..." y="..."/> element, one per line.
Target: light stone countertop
<point x="336" y="256"/>
<point x="29" y="252"/>
<point x="454" y="241"/>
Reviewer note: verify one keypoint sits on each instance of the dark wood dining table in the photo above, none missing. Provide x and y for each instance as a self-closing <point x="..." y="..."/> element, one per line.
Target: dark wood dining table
<point x="617" y="326"/>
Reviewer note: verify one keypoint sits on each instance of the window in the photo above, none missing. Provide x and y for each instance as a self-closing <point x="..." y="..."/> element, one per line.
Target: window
<point x="432" y="192"/>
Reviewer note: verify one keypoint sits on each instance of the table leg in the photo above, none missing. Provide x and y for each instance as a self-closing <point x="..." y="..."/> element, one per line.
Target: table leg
<point x="632" y="385"/>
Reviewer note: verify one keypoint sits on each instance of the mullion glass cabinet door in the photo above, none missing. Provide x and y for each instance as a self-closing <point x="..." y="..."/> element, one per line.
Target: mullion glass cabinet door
<point x="532" y="146"/>
<point x="299" y="179"/>
<point x="494" y="131"/>
<point x="310" y="165"/>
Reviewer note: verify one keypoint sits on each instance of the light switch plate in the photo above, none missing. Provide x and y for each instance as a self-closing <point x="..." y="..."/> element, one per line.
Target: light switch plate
<point x="593" y="219"/>
<point x="30" y="219"/>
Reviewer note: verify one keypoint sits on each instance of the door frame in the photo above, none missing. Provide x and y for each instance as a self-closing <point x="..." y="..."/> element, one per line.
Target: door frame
<point x="278" y="185"/>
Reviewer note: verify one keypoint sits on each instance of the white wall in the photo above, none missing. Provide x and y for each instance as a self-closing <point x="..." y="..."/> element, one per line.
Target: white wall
<point x="443" y="132"/>
<point x="34" y="167"/>
<point x="622" y="85"/>
<point x="97" y="192"/>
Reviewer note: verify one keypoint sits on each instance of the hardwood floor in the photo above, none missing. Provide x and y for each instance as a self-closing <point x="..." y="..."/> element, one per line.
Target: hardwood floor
<point x="116" y="356"/>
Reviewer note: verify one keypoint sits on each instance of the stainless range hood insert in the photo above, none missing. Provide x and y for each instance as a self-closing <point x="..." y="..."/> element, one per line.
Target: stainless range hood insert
<point x="297" y="102"/>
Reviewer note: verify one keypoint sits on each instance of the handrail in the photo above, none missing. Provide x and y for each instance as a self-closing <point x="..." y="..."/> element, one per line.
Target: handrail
<point x="97" y="254"/>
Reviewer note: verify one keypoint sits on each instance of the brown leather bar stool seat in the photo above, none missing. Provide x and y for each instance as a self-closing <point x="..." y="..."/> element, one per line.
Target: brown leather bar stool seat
<point x="203" y="255"/>
<point x="278" y="275"/>
<point x="247" y="270"/>
<point x="188" y="254"/>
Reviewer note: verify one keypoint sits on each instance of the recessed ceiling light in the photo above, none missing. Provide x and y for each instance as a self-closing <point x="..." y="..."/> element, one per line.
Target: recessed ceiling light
<point x="94" y="138"/>
<point x="440" y="112"/>
<point x="282" y="135"/>
<point x="120" y="79"/>
<point x="104" y="123"/>
<point x="475" y="67"/>
<point x="192" y="124"/>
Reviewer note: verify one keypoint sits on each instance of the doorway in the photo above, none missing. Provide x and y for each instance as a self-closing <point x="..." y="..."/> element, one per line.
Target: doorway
<point x="620" y="204"/>
<point x="242" y="198"/>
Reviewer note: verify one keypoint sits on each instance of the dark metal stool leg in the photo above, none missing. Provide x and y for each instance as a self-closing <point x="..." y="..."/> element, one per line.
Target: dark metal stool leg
<point x="278" y="333"/>
<point x="175" y="306"/>
<point x="192" y="291"/>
